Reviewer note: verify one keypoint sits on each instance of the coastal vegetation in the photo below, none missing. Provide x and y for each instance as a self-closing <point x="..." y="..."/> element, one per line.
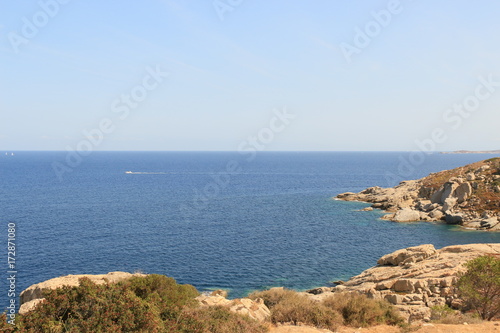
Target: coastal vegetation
<point x="154" y="303"/>
<point x="479" y="286"/>
<point x="349" y="309"/>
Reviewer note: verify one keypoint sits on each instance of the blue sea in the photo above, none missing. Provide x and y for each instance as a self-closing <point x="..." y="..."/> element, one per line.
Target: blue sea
<point x="210" y="219"/>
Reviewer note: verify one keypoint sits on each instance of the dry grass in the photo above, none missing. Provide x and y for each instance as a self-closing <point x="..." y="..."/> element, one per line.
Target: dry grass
<point x="290" y="307"/>
<point x="219" y="319"/>
<point x="446" y="315"/>
<point x="359" y="310"/>
<point x="349" y="309"/>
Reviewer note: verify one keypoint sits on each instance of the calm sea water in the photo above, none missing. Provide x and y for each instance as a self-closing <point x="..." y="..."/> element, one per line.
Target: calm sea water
<point x="271" y="222"/>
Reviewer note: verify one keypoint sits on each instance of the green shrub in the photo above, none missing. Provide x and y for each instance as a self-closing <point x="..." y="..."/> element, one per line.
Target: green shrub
<point x="479" y="286"/>
<point x="274" y="296"/>
<point x="93" y="308"/>
<point x="164" y="292"/>
<point x="4" y="326"/>
<point x="443" y="314"/>
<point x="154" y="303"/>
<point x="439" y="312"/>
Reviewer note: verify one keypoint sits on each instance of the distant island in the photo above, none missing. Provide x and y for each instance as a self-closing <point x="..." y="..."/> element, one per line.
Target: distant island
<point x="472" y="152"/>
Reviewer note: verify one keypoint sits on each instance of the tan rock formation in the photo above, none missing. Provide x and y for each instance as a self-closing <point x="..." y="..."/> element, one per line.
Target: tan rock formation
<point x="416" y="278"/>
<point x="255" y="309"/>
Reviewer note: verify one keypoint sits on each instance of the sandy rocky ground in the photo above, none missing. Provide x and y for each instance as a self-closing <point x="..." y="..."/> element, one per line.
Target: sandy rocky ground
<point x="487" y="327"/>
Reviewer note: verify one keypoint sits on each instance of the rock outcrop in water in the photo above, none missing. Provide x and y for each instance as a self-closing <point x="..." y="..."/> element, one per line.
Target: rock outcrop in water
<point x="414" y="279"/>
<point x="468" y="196"/>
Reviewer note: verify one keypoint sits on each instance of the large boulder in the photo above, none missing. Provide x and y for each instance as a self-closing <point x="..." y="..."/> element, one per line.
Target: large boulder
<point x="451" y="218"/>
<point x="411" y="254"/>
<point x="406" y="215"/>
<point x="255" y="309"/>
<point x="463" y="192"/>
<point x="448" y="191"/>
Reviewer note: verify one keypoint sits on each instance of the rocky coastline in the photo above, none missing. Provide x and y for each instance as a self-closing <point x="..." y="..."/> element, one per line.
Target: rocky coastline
<point x="413" y="279"/>
<point x="468" y="196"/>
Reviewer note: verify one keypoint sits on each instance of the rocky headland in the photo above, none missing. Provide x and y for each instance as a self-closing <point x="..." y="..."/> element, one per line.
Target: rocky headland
<point x="472" y="152"/>
<point x="468" y="196"/>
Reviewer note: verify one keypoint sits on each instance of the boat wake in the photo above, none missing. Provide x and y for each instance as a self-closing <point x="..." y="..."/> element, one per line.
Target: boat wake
<point x="145" y="173"/>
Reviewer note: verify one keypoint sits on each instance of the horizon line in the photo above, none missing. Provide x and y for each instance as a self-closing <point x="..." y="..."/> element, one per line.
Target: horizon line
<point x="266" y="151"/>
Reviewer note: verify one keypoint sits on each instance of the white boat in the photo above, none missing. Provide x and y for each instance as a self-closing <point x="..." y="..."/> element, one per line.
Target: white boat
<point x="128" y="172"/>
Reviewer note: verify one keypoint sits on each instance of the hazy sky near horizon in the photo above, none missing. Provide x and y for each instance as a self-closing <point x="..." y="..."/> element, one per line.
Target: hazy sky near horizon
<point x="351" y="75"/>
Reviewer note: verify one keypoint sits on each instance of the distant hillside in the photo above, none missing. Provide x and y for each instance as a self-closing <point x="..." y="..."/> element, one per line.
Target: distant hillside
<point x="472" y="152"/>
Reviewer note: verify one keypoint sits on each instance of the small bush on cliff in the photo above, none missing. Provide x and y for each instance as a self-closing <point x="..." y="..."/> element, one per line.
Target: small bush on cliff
<point x="350" y="309"/>
<point x="479" y="286"/>
<point x="359" y="310"/>
<point x="4" y="326"/>
<point x="274" y="296"/>
<point x="288" y="306"/>
<point x="218" y="319"/>
<point x="92" y="308"/>
<point x="443" y="314"/>
<point x="154" y="303"/>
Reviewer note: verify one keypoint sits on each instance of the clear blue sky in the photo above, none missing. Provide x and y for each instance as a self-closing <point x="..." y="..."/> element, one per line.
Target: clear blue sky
<point x="227" y="76"/>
